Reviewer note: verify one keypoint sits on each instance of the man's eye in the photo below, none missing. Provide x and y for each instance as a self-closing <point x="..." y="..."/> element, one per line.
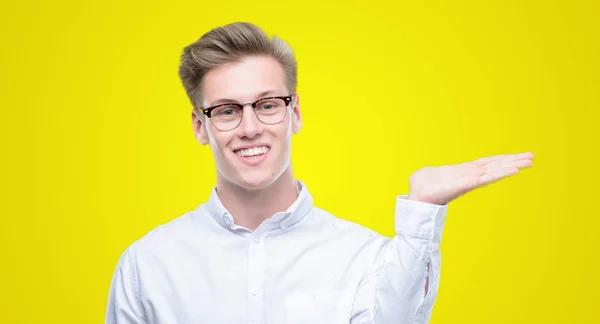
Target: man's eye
<point x="227" y="111"/>
<point x="270" y="105"/>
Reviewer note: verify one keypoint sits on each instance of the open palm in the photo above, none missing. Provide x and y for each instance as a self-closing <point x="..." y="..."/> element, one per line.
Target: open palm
<point x="440" y="185"/>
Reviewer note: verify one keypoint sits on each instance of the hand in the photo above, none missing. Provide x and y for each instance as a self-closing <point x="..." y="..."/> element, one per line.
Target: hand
<point x="440" y="185"/>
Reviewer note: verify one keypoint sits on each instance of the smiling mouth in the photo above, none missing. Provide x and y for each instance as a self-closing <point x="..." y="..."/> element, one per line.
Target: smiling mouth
<point x="254" y="151"/>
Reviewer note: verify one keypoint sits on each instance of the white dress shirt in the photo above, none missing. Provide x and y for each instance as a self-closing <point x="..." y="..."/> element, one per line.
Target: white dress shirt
<point x="303" y="265"/>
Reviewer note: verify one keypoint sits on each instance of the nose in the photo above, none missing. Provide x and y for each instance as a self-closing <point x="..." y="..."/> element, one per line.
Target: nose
<point x="250" y="126"/>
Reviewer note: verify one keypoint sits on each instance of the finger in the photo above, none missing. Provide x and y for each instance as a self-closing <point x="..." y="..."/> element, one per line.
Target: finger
<point x="486" y="160"/>
<point x="509" y="162"/>
<point x="498" y="162"/>
<point x="502" y="165"/>
<point x="497" y="175"/>
<point x="518" y="161"/>
<point x="526" y="155"/>
<point x="522" y="164"/>
<point x="507" y="157"/>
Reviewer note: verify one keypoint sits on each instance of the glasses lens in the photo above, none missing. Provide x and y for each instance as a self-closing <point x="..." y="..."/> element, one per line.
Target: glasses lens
<point x="226" y="117"/>
<point x="271" y="111"/>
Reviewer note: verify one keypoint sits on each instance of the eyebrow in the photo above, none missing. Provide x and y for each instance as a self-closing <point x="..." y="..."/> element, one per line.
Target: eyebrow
<point x="226" y="100"/>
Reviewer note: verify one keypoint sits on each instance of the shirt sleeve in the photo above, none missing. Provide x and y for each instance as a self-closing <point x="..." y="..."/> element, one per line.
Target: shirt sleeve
<point x="394" y="290"/>
<point x="124" y="306"/>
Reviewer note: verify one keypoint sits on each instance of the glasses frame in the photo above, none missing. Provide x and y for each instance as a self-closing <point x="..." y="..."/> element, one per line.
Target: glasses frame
<point x="207" y="111"/>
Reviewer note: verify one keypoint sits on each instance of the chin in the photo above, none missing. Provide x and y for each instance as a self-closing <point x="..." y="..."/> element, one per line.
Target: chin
<point x="254" y="180"/>
<point x="255" y="183"/>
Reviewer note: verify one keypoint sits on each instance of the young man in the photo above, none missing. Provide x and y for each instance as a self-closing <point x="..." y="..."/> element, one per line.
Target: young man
<point x="258" y="251"/>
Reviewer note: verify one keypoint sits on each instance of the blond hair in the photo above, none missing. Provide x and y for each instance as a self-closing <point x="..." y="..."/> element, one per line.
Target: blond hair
<point x="227" y="44"/>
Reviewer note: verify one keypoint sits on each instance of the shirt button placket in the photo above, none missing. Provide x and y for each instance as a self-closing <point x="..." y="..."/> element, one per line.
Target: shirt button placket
<point x="256" y="271"/>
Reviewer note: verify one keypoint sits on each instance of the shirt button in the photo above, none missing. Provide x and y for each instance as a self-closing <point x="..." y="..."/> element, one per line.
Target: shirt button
<point x="254" y="291"/>
<point x="257" y="239"/>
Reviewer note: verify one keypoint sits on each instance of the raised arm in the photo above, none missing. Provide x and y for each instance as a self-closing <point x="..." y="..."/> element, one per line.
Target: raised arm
<point x="403" y="285"/>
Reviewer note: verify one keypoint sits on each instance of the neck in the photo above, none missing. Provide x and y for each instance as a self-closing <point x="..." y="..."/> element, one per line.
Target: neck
<point x="250" y="208"/>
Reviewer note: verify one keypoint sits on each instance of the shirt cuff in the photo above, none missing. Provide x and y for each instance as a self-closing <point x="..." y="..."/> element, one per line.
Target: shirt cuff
<point x="420" y="219"/>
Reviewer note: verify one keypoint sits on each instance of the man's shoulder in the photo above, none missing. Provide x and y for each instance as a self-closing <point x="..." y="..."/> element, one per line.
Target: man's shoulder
<point x="166" y="236"/>
<point x="345" y="237"/>
<point x="343" y="226"/>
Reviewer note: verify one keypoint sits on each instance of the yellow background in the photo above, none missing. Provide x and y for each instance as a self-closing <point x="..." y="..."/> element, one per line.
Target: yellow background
<point x="98" y="148"/>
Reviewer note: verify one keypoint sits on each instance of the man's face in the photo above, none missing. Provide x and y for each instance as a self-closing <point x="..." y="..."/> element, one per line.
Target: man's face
<point x="248" y="80"/>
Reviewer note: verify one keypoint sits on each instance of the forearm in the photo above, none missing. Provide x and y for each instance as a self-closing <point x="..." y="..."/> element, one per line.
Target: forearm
<point x="407" y="288"/>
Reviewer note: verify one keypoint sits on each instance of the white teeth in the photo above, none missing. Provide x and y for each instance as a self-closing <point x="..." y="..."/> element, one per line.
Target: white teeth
<point x="253" y="151"/>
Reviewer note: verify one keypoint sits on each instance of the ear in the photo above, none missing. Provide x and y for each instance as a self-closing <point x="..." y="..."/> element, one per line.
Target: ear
<point x="296" y="115"/>
<point x="199" y="129"/>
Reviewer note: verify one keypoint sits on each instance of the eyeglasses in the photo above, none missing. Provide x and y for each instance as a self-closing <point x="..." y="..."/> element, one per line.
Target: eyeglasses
<point x="228" y="116"/>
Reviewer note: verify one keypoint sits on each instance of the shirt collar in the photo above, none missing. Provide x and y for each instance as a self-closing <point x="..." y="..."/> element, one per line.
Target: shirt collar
<point x="293" y="214"/>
